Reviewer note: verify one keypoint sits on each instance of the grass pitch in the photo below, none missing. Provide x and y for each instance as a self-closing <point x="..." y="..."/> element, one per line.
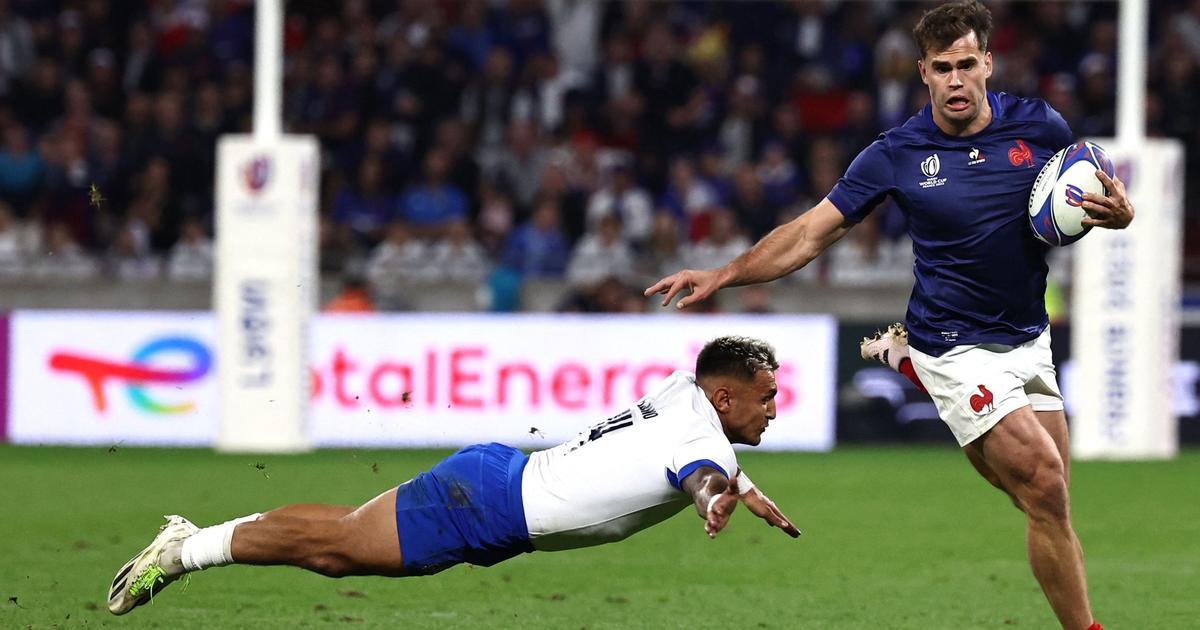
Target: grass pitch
<point x="895" y="538"/>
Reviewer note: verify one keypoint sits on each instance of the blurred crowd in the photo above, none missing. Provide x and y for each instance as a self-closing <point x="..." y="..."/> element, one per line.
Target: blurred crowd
<point x="488" y="143"/>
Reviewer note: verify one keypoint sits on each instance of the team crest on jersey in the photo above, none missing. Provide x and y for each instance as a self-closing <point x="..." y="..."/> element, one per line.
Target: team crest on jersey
<point x="974" y="156"/>
<point x="1020" y="154"/>
<point x="930" y="167"/>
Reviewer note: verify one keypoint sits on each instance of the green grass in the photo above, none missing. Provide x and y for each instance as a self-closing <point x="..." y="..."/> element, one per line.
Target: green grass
<point x="893" y="538"/>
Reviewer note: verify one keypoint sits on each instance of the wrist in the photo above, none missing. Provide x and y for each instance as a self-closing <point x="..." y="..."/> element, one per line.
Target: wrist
<point x="744" y="484"/>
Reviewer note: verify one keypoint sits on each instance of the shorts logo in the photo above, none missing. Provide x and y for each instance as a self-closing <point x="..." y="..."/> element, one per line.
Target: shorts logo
<point x="1021" y="154"/>
<point x="982" y="400"/>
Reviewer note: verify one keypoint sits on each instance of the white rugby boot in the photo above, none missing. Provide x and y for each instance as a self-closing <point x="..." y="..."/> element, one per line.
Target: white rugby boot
<point x="889" y="347"/>
<point x="145" y="574"/>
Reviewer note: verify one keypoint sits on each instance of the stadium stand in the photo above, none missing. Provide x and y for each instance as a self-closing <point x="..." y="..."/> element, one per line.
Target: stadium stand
<point x="519" y="155"/>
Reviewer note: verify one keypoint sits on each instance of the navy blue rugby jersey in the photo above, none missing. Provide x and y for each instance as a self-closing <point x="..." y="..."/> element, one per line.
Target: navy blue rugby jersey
<point x="980" y="275"/>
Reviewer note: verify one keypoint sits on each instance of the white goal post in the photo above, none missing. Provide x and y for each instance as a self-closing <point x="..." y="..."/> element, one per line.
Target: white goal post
<point x="264" y="289"/>
<point x="1125" y="311"/>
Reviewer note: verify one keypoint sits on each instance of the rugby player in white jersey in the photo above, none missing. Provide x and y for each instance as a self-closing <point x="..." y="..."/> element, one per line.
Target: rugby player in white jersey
<point x="490" y="502"/>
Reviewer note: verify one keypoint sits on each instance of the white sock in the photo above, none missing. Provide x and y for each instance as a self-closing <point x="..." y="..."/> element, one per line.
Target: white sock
<point x="210" y="547"/>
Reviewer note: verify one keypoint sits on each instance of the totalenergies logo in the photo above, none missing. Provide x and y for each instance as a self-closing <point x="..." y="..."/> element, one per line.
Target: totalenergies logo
<point x="139" y="372"/>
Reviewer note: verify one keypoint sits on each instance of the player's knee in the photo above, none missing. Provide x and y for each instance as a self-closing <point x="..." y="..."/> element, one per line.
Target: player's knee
<point x="331" y="565"/>
<point x="330" y="552"/>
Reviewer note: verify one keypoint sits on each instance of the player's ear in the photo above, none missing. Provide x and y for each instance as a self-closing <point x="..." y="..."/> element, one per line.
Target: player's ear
<point x="721" y="399"/>
<point x="987" y="64"/>
<point x="921" y="70"/>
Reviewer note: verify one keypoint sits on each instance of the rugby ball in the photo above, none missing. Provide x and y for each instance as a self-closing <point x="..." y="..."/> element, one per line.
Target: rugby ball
<point x="1056" y="201"/>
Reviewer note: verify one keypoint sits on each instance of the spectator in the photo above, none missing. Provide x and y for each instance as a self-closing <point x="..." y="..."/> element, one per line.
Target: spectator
<point x="41" y="101"/>
<point x="572" y="202"/>
<point x="432" y="205"/>
<point x="454" y="138"/>
<point x="457" y="257"/>
<point x="496" y="218"/>
<point x="518" y="168"/>
<point x="538" y="248"/>
<point x="779" y="177"/>
<point x="470" y="38"/>
<point x="21" y="169"/>
<point x="613" y="79"/>
<point x="130" y="257"/>
<point x="394" y="265"/>
<point x="750" y="205"/>
<point x="12" y="258"/>
<point x="610" y="295"/>
<point x="601" y="254"/>
<point x="544" y="100"/>
<point x="16" y="42"/>
<point x="740" y="131"/>
<point x="688" y="197"/>
<point x="143" y="67"/>
<point x="191" y="258"/>
<point x="365" y="209"/>
<point x="354" y="297"/>
<point x="665" y="86"/>
<point x="523" y="27"/>
<point x="723" y="243"/>
<point x="487" y="102"/>
<point x="663" y="250"/>
<point x="62" y="257"/>
<point x="622" y="198"/>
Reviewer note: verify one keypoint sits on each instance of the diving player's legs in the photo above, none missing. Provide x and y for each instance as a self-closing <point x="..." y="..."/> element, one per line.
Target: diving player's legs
<point x="363" y="542"/>
<point x="314" y="511"/>
<point x="333" y="540"/>
<point x="463" y="510"/>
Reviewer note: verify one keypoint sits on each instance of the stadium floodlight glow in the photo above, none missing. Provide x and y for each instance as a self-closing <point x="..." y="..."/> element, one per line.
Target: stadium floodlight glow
<point x="266" y="264"/>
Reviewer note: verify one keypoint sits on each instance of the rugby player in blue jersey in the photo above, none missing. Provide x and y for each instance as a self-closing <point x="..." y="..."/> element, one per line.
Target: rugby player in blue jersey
<point x="977" y="330"/>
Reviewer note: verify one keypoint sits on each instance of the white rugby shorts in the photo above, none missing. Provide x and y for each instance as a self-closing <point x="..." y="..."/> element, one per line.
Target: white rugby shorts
<point x="974" y="386"/>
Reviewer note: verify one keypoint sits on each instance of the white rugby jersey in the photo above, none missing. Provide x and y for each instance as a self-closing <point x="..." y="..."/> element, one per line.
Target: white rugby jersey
<point x="622" y="475"/>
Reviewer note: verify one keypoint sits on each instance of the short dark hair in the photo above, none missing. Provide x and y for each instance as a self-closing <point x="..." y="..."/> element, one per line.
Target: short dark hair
<point x="939" y="27"/>
<point x="740" y="357"/>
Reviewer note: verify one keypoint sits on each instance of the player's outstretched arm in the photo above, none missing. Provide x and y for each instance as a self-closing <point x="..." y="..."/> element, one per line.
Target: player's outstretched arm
<point x="1114" y="211"/>
<point x="786" y="249"/>
<point x="714" y="497"/>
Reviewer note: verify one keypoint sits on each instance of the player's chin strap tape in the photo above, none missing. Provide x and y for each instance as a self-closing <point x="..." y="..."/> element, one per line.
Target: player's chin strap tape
<point x="744" y="483"/>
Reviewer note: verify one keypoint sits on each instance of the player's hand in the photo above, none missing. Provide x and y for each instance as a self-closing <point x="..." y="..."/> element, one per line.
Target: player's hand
<point x="701" y="284"/>
<point x="1114" y="211"/>
<point x="721" y="510"/>
<point x="763" y="507"/>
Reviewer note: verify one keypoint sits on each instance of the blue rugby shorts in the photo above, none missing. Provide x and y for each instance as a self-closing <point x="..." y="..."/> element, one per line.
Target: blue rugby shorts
<point x="467" y="508"/>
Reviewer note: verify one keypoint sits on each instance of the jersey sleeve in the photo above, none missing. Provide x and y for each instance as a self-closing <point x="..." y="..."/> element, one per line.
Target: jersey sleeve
<point x="701" y="450"/>
<point x="865" y="183"/>
<point x="1059" y="131"/>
